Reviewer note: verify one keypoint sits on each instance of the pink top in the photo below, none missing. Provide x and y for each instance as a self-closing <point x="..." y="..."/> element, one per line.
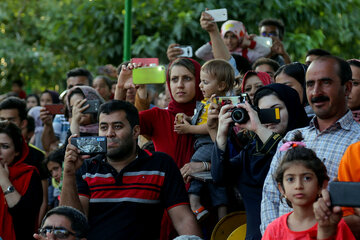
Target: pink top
<point x="279" y="229"/>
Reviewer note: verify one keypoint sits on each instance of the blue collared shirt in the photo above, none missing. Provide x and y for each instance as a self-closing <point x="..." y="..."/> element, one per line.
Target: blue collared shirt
<point x="329" y="145"/>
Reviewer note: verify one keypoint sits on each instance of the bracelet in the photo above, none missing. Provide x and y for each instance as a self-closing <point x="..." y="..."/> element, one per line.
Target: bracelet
<point x="206" y="166"/>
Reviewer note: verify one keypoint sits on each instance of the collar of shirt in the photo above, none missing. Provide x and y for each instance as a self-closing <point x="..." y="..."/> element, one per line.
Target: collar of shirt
<point x="344" y="122"/>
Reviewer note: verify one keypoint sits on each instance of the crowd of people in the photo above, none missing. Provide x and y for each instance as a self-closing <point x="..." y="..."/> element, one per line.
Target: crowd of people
<point x="271" y="133"/>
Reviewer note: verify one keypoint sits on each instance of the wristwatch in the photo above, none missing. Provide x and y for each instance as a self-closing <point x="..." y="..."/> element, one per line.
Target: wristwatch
<point x="10" y="189"/>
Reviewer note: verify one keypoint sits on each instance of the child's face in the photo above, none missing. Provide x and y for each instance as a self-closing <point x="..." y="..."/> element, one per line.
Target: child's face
<point x="209" y="85"/>
<point x="55" y="170"/>
<point x="301" y="186"/>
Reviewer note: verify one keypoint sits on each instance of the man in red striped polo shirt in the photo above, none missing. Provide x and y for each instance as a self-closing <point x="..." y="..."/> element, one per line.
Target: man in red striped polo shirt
<point x="125" y="191"/>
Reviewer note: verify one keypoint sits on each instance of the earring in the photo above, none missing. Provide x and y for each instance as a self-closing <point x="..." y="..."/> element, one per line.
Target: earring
<point x="319" y="195"/>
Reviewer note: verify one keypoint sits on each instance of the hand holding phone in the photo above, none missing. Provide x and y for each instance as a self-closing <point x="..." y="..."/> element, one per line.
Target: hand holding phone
<point x="146" y="61"/>
<point x="55" y="108"/>
<point x="345" y="194"/>
<point x="94" y="106"/>
<point x="187" y="51"/>
<point x="265" y="41"/>
<point x="90" y="145"/>
<point x="219" y="15"/>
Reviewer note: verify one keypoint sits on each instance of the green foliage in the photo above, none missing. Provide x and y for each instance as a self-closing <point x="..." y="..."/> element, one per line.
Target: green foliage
<point x="41" y="40"/>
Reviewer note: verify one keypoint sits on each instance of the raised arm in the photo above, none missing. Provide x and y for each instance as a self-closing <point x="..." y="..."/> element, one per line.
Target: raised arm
<point x="48" y="138"/>
<point x="69" y="193"/>
<point x="219" y="48"/>
<point x="124" y="78"/>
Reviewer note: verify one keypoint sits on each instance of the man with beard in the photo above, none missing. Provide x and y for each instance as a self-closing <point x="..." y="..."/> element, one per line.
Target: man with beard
<point x="330" y="132"/>
<point x="125" y="192"/>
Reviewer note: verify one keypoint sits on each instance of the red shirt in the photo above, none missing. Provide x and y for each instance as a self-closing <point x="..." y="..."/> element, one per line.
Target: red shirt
<point x="278" y="229"/>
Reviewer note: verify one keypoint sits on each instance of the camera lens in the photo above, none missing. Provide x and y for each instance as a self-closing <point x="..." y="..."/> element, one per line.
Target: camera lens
<point x="239" y="115"/>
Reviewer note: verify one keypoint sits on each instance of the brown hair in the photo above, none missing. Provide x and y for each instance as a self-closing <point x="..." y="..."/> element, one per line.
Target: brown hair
<point x="221" y="70"/>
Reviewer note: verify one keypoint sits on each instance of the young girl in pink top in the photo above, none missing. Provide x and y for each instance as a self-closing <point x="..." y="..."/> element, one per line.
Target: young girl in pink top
<point x="301" y="176"/>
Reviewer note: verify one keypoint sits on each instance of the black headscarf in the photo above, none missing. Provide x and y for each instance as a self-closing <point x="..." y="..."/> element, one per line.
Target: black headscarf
<point x="296" y="112"/>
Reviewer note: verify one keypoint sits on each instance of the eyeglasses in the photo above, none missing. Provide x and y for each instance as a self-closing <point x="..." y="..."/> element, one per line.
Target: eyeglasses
<point x="265" y="34"/>
<point x="59" y="232"/>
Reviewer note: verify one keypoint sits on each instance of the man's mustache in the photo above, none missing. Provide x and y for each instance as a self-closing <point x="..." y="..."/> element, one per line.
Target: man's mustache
<point x="320" y="99"/>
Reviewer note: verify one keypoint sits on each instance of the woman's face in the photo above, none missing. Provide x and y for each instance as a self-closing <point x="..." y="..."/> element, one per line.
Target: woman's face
<point x="45" y="99"/>
<point x="354" y="97"/>
<point x="182" y="84"/>
<point x="272" y="101"/>
<point x="55" y="170"/>
<point x="283" y="78"/>
<point x="231" y="41"/>
<point x="85" y="118"/>
<point x="7" y="149"/>
<point x="102" y="88"/>
<point x="252" y="84"/>
<point x="31" y="102"/>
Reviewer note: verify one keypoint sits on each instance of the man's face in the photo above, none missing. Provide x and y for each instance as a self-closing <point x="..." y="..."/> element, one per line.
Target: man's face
<point x="325" y="94"/>
<point x="11" y="115"/>
<point x="269" y="30"/>
<point x="77" y="81"/>
<point x="121" y="139"/>
<point x="58" y="222"/>
<point x="309" y="59"/>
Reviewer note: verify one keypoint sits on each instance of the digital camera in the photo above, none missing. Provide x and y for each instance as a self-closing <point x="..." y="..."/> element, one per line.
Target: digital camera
<point x="240" y="115"/>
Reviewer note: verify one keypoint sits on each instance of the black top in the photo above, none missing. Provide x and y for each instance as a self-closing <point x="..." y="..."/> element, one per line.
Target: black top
<point x="36" y="158"/>
<point x="129" y="205"/>
<point x="25" y="212"/>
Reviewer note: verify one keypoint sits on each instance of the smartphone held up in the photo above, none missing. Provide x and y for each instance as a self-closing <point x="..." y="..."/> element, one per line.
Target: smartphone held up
<point x="149" y="75"/>
<point x="219" y="15"/>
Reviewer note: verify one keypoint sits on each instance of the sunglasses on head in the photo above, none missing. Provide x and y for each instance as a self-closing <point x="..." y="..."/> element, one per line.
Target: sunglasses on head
<point x="59" y="232"/>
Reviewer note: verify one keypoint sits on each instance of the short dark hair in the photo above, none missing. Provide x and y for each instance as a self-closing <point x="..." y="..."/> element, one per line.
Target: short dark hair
<point x="15" y="103"/>
<point x="15" y="134"/>
<point x="78" y="72"/>
<point x="35" y="96"/>
<point x="55" y="156"/>
<point x="317" y="52"/>
<point x="354" y="62"/>
<point x="78" y="220"/>
<point x="107" y="80"/>
<point x="30" y="127"/>
<point x="344" y="71"/>
<point x="274" y="22"/>
<point x="261" y="61"/>
<point x="18" y="82"/>
<point x="242" y="64"/>
<point x="132" y="114"/>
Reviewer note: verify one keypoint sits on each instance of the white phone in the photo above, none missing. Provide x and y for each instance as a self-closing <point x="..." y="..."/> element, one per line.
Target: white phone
<point x="187" y="51"/>
<point x="219" y="15"/>
<point x="265" y="41"/>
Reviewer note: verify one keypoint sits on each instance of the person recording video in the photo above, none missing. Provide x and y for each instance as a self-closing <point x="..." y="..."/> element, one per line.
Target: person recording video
<point x="249" y="166"/>
<point x="125" y="186"/>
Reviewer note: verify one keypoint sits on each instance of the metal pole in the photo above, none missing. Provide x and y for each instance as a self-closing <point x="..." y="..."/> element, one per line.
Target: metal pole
<point x="127" y="31"/>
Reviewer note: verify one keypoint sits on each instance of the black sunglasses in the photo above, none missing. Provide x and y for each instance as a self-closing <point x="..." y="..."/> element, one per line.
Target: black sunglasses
<point x="59" y="232"/>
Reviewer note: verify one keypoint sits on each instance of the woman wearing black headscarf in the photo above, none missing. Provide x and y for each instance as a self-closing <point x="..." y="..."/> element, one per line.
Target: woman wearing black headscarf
<point x="249" y="167"/>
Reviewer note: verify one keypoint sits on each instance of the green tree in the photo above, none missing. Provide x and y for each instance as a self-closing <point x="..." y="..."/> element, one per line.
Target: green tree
<point x="41" y="40"/>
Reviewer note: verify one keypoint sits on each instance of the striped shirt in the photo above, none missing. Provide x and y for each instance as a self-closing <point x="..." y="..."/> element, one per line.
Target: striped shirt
<point x="130" y="204"/>
<point x="329" y="145"/>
